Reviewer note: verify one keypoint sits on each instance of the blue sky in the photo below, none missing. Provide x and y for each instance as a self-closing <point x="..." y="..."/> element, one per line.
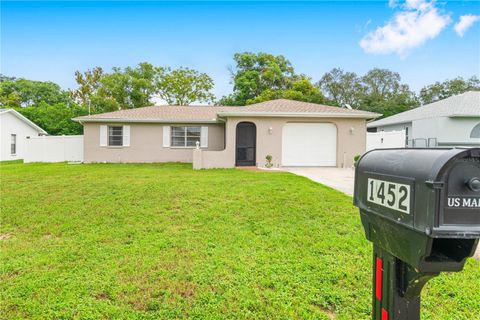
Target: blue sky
<point x="50" y="40"/>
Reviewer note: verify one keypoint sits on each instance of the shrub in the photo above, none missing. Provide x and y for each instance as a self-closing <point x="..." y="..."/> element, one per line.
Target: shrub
<point x="355" y="159"/>
<point x="269" y="163"/>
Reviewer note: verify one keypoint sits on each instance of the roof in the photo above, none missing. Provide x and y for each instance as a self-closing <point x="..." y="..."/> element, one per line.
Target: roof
<point x="463" y="105"/>
<point x="202" y="114"/>
<point x="24" y="119"/>
<point x="288" y="108"/>
<point x="212" y="114"/>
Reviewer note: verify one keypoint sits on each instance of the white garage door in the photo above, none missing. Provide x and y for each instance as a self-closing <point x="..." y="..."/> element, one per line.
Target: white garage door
<point x="309" y="144"/>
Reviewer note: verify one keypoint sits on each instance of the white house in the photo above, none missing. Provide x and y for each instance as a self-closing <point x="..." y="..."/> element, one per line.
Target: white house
<point x="454" y="121"/>
<point x="14" y="130"/>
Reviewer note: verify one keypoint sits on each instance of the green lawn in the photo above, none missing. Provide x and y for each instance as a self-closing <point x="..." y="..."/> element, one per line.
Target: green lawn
<point x="164" y="241"/>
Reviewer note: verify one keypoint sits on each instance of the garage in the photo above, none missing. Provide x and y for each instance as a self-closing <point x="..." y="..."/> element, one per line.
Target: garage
<point x="309" y="144"/>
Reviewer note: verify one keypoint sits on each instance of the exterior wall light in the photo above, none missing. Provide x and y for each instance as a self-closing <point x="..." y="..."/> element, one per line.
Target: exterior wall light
<point x="270" y="130"/>
<point x="352" y="129"/>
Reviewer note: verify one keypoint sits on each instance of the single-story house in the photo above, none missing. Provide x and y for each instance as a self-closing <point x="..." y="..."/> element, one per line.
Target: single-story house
<point x="450" y="122"/>
<point x="294" y="133"/>
<point x="14" y="130"/>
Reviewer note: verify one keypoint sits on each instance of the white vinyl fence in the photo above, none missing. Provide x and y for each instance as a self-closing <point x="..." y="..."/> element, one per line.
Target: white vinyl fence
<point x="53" y="149"/>
<point x="382" y="139"/>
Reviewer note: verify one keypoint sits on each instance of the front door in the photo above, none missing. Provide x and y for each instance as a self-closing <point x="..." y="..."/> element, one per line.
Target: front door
<point x="246" y="141"/>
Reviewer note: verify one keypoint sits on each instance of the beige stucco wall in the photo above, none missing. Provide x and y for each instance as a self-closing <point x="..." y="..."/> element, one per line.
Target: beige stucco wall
<point x="349" y="142"/>
<point x="146" y="144"/>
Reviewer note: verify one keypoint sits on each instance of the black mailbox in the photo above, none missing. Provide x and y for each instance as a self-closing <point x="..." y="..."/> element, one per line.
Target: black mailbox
<point x="421" y="210"/>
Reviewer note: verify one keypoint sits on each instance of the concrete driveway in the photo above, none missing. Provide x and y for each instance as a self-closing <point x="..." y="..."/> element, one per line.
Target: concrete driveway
<point x="336" y="178"/>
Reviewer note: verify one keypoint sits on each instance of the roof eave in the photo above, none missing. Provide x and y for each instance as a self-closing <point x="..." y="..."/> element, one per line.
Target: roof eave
<point x="124" y="120"/>
<point x="464" y="116"/>
<point x="373" y="124"/>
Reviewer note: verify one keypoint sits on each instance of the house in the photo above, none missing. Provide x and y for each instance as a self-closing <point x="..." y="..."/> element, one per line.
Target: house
<point x="294" y="133"/>
<point x="454" y="121"/>
<point x="14" y="130"/>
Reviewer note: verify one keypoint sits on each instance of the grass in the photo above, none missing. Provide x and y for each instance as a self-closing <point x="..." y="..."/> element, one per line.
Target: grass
<point x="164" y="241"/>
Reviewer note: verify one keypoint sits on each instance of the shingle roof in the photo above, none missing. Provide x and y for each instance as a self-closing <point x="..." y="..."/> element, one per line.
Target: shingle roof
<point x="284" y="106"/>
<point x="159" y="113"/>
<point x="212" y="114"/>
<point x="463" y="105"/>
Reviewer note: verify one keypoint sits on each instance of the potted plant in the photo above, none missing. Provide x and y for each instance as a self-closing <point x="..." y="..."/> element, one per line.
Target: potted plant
<point x="269" y="163"/>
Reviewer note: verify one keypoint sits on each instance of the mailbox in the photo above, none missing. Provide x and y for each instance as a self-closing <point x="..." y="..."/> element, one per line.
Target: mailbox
<point x="421" y="210"/>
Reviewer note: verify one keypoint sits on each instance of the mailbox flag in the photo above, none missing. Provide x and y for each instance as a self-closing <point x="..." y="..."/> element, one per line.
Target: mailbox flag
<point x="378" y="279"/>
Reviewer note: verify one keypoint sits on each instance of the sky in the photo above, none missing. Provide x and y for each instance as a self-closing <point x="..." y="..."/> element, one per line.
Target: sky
<point x="425" y="41"/>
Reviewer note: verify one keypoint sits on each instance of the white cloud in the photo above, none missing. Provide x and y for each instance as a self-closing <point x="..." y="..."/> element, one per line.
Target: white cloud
<point x="392" y="3"/>
<point x="418" y="22"/>
<point x="465" y="23"/>
<point x="419" y="4"/>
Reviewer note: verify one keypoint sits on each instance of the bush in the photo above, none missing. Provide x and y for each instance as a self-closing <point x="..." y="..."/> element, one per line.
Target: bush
<point x="355" y="159"/>
<point x="55" y="119"/>
<point x="269" y="163"/>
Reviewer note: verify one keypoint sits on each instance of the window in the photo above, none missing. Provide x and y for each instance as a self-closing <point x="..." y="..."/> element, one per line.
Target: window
<point x="13" y="144"/>
<point x="115" y="136"/>
<point x="185" y="136"/>
<point x="475" y="132"/>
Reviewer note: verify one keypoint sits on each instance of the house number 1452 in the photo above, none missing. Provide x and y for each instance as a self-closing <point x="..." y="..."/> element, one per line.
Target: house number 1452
<point x="391" y="195"/>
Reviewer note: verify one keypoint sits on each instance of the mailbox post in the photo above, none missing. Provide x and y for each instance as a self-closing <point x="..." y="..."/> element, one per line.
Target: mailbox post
<point x="421" y="210"/>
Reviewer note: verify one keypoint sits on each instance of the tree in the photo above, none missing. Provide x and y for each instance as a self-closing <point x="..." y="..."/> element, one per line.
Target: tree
<point x="379" y="90"/>
<point x="56" y="118"/>
<point x="88" y="86"/>
<point x="261" y="76"/>
<point x="342" y="88"/>
<point x="258" y="74"/>
<point x="381" y="83"/>
<point x="389" y="106"/>
<point x="121" y="89"/>
<point x="384" y="93"/>
<point x="6" y="78"/>
<point x="301" y="90"/>
<point x="138" y="85"/>
<point x="184" y="86"/>
<point x="448" y="88"/>
<point x="135" y="87"/>
<point x="22" y="93"/>
<point x="44" y="103"/>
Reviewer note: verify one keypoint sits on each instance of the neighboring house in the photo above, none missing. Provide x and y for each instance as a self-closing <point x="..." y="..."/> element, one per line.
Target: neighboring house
<point x="14" y="130"/>
<point x="294" y="133"/>
<point x="454" y="121"/>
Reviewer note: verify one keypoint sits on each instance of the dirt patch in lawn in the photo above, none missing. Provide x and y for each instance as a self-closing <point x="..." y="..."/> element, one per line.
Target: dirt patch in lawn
<point x="330" y="312"/>
<point x="102" y="296"/>
<point x="5" y="236"/>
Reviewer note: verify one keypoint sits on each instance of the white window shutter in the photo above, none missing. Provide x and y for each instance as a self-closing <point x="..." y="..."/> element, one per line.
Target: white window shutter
<point x="204" y="137"/>
<point x="103" y="135"/>
<point x="166" y="136"/>
<point x="126" y="136"/>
